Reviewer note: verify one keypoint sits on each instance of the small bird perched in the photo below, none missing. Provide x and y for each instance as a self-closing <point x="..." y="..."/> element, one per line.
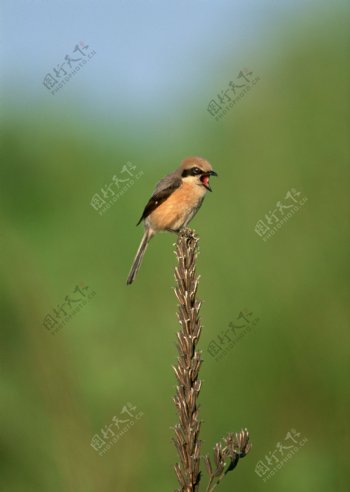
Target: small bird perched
<point x="174" y="202"/>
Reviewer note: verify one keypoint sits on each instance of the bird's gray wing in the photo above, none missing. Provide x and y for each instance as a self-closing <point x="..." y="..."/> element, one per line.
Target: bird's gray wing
<point x="163" y="190"/>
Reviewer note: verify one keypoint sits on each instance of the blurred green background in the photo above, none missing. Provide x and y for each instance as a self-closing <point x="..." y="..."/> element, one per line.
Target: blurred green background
<point x="291" y="372"/>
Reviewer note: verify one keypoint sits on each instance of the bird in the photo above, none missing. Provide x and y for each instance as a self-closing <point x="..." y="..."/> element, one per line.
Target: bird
<point x="175" y="201"/>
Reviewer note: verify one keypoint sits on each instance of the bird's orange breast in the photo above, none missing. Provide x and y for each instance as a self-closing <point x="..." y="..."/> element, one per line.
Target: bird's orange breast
<point x="178" y="209"/>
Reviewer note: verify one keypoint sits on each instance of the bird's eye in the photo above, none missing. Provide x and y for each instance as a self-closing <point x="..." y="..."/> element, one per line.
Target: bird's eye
<point x="196" y="170"/>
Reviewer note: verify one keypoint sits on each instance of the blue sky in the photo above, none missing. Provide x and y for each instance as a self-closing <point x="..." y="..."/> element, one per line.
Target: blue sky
<point x="149" y="54"/>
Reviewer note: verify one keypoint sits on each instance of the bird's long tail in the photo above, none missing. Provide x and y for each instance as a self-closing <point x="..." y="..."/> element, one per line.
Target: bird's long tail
<point x="139" y="256"/>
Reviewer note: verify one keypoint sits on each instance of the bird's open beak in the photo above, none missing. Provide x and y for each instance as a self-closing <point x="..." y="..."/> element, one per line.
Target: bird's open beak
<point x="205" y="179"/>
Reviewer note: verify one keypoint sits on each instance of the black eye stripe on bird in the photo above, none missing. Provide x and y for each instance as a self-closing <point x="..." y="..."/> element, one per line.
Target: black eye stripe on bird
<point x="174" y="203"/>
<point x="194" y="171"/>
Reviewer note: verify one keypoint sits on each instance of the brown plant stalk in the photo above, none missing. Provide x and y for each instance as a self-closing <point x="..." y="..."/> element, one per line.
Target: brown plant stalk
<point x="187" y="442"/>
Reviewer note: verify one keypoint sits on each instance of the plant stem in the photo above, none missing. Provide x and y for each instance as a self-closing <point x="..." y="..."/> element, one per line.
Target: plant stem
<point x="188" y="363"/>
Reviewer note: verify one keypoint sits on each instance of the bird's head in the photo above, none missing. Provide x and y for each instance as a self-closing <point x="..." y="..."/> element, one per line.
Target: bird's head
<point x="197" y="170"/>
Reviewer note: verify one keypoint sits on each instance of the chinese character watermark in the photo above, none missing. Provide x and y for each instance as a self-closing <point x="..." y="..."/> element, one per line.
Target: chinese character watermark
<point x="62" y="72"/>
<point x="120" y="425"/>
<point x="236" y="330"/>
<point x="283" y="452"/>
<point x="119" y="185"/>
<point x="283" y="211"/>
<point x="59" y="316"/>
<point x="235" y="91"/>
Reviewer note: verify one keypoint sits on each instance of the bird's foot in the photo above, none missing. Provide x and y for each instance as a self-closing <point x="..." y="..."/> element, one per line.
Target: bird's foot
<point x="187" y="232"/>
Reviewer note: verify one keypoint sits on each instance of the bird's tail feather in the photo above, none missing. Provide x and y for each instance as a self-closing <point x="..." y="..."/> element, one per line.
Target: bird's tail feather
<point x="139" y="256"/>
